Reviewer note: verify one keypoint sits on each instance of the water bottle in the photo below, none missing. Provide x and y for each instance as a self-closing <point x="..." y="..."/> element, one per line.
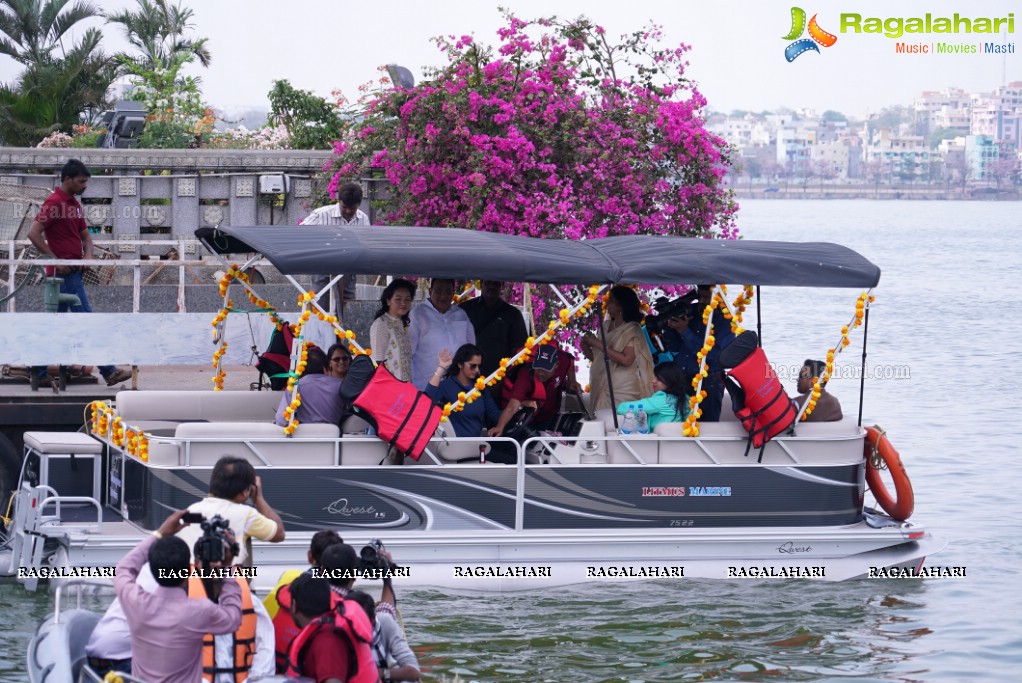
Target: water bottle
<point x="628" y="424"/>
<point x="642" y="421"/>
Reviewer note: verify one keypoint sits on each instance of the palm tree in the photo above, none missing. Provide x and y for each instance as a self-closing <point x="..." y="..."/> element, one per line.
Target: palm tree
<point x="59" y="82"/>
<point x="157" y="30"/>
<point x="30" y="30"/>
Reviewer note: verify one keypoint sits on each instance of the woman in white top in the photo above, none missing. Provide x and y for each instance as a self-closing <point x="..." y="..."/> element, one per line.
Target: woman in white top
<point x="388" y="335"/>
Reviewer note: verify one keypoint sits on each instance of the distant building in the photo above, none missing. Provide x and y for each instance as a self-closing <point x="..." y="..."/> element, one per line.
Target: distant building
<point x="906" y="157"/>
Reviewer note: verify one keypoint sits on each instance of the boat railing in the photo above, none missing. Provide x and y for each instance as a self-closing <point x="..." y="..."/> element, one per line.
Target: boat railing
<point x="79" y="586"/>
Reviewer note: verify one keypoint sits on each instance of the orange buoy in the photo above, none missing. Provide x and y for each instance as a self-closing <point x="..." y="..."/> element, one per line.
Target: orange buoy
<point x="880" y="454"/>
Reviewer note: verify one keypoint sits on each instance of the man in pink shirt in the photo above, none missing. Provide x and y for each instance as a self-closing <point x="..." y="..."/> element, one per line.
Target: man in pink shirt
<point x="167" y="627"/>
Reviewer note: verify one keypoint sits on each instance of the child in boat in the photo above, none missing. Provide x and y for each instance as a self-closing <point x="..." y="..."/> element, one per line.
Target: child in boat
<point x="670" y="402"/>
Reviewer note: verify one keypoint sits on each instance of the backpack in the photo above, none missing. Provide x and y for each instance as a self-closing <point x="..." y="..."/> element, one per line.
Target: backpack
<point x="404" y="417"/>
<point x="275" y="361"/>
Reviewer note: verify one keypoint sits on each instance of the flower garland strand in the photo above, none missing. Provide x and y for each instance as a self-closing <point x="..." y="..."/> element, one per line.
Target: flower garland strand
<point x="107" y="423"/>
<point x="861" y="304"/>
<point x="739" y="305"/>
<point x="564" y="316"/>
<point x="691" y="424"/>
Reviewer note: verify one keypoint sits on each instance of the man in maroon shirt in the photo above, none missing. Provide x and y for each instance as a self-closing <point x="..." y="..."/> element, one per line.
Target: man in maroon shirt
<point x="540" y="384"/>
<point x="59" y="231"/>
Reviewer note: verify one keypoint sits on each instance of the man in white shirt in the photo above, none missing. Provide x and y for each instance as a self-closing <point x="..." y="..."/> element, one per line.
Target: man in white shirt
<point x="436" y="325"/>
<point x="344" y="212"/>
<point x="232" y="483"/>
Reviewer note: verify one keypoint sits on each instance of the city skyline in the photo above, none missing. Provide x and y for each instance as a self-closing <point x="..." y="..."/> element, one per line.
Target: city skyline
<point x="737" y="56"/>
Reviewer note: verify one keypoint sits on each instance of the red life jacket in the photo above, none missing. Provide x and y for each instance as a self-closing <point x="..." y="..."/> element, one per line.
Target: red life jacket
<point x="285" y="630"/>
<point x="349" y="621"/>
<point x="761" y="403"/>
<point x="405" y="417"/>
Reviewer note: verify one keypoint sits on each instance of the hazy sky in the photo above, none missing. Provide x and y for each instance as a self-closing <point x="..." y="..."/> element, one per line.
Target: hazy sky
<point x="737" y="54"/>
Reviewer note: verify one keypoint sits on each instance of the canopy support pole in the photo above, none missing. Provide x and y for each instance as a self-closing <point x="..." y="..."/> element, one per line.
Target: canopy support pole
<point x="606" y="363"/>
<point x="862" y="374"/>
<point x="759" y="317"/>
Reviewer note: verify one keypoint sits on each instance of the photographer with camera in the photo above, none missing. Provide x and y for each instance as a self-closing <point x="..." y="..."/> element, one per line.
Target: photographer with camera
<point x="109" y="646"/>
<point x="167" y="627"/>
<point x="685" y="335"/>
<point x="389" y="642"/>
<point x="233" y="483"/>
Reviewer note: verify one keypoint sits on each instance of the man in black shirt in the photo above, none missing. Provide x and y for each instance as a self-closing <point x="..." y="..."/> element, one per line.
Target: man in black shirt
<point x="499" y="326"/>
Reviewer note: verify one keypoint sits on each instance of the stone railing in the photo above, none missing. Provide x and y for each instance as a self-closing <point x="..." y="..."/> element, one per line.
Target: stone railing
<point x="166" y="194"/>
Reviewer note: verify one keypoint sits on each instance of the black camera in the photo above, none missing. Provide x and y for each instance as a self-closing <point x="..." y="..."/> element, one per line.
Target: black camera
<point x="370" y="558"/>
<point x="686" y="306"/>
<point x="211" y="545"/>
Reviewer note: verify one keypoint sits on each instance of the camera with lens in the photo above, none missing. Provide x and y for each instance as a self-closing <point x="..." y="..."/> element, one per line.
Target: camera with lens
<point x="211" y="545"/>
<point x="686" y="306"/>
<point x="370" y="559"/>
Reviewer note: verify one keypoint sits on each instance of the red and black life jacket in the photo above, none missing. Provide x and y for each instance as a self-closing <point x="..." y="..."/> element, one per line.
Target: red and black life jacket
<point x="284" y="628"/>
<point x="275" y="362"/>
<point x="405" y="417"/>
<point x="760" y="401"/>
<point x="350" y="623"/>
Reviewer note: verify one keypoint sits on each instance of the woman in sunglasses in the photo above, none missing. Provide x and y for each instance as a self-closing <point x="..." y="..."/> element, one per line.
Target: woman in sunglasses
<point x="458" y="375"/>
<point x="339" y="361"/>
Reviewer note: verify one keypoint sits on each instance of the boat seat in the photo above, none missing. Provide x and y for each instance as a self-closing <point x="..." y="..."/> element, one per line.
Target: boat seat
<point x="212" y="406"/>
<point x="294" y="451"/>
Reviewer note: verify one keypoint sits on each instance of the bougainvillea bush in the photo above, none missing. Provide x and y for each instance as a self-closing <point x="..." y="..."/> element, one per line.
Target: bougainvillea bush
<point x="557" y="131"/>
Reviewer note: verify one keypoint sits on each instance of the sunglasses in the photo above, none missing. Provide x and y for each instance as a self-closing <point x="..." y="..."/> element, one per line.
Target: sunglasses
<point x="340" y="359"/>
<point x="472" y="366"/>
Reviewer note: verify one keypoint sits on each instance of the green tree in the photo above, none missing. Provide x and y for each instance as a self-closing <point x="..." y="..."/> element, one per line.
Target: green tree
<point x="941" y="134"/>
<point x="62" y="80"/>
<point x="31" y="31"/>
<point x="158" y="30"/>
<point x="311" y="121"/>
<point x="833" y="116"/>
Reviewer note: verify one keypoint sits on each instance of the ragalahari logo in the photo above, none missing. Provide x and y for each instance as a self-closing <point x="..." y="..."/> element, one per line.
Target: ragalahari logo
<point x="802" y="45"/>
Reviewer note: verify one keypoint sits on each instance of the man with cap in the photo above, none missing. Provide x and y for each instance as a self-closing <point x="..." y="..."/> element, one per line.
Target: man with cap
<point x="539" y="384"/>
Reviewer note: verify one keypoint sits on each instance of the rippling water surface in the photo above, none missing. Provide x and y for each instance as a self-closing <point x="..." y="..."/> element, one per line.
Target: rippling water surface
<point x="948" y="309"/>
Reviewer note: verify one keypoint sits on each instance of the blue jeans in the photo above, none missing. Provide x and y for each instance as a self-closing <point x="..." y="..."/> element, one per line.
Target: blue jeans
<point x="73" y="285"/>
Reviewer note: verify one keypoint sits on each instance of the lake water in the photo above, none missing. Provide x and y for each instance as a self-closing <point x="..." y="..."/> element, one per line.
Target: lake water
<point x="944" y="347"/>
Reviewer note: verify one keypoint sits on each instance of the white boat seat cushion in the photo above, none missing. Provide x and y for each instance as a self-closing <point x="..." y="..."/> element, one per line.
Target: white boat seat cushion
<point x="62" y="442"/>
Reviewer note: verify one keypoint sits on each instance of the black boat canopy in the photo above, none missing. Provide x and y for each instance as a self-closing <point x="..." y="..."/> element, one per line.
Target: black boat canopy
<point x="467" y="254"/>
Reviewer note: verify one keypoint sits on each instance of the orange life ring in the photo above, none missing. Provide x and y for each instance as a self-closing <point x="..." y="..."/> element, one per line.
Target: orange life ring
<point x="878" y="447"/>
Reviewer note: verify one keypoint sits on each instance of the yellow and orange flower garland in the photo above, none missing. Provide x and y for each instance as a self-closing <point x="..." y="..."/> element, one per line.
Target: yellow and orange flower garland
<point x="691" y="424"/>
<point x="860" y="311"/>
<point x="563" y="317"/>
<point x="743" y="300"/>
<point x="106" y="422"/>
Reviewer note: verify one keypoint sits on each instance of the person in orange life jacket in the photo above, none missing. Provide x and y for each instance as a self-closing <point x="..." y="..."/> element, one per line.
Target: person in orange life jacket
<point x="246" y="653"/>
<point x="231" y="485"/>
<point x="389" y="642"/>
<point x="685" y="337"/>
<point x="334" y="643"/>
<point x="828" y="407"/>
<point x="167" y="627"/>
<point x="278" y="602"/>
<point x="540" y="384"/>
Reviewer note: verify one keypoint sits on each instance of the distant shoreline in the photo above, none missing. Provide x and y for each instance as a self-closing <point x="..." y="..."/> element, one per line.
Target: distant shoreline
<point x="931" y="193"/>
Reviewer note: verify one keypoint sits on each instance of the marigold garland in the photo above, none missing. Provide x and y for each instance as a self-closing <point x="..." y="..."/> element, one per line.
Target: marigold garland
<point x="857" y="319"/>
<point x="524" y="355"/>
<point x="691" y="424"/>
